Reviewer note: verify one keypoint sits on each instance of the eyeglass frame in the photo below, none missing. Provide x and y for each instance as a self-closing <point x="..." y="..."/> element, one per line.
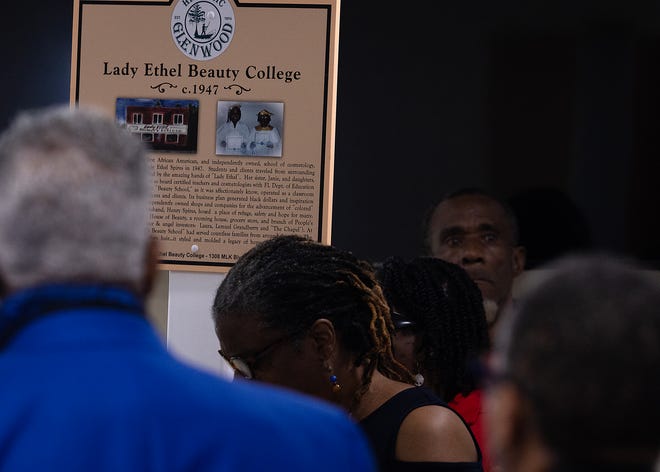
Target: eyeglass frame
<point x="401" y="321"/>
<point x="245" y="369"/>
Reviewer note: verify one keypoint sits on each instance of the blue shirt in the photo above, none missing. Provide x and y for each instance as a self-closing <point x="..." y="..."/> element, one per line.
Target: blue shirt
<point x="86" y="384"/>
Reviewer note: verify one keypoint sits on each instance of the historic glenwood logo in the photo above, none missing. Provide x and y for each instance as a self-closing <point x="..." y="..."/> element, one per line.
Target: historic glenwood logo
<point x="203" y="29"/>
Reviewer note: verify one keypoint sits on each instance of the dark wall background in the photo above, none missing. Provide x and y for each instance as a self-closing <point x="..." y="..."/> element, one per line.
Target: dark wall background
<point x="553" y="105"/>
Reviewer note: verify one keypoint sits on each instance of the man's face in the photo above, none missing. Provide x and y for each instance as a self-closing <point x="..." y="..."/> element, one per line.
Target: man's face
<point x="474" y="232"/>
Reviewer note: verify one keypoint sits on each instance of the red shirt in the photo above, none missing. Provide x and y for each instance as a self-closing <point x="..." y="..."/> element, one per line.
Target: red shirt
<point x="472" y="410"/>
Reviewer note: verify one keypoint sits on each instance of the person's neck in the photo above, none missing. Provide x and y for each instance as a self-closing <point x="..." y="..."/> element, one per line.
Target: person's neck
<point x="380" y="390"/>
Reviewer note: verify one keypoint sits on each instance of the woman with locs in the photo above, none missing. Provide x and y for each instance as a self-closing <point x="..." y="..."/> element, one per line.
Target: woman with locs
<point x="312" y="318"/>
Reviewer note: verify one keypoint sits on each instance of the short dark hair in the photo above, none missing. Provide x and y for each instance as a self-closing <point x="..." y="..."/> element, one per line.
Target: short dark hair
<point x="469" y="191"/>
<point x="447" y="309"/>
<point x="233" y="109"/>
<point x="584" y="346"/>
<point x="289" y="282"/>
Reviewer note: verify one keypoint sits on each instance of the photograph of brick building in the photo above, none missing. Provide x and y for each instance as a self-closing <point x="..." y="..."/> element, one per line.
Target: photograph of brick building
<point x="163" y="125"/>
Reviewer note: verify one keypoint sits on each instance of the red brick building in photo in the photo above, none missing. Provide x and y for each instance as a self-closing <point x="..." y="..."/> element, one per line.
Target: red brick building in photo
<point x="162" y="127"/>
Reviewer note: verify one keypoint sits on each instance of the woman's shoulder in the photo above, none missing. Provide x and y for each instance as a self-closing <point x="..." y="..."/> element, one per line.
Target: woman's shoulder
<point x="435" y="433"/>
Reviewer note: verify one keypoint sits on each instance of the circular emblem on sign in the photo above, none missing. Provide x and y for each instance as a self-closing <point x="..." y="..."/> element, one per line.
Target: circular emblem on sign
<point x="202" y="29"/>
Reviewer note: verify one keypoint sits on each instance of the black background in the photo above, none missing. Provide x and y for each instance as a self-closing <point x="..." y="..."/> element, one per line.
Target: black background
<point x="553" y="104"/>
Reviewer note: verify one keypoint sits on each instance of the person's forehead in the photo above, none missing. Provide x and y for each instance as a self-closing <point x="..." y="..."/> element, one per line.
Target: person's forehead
<point x="470" y="212"/>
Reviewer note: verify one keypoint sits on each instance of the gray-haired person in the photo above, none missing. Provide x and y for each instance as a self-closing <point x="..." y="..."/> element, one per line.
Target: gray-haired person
<point x="577" y="371"/>
<point x="86" y="383"/>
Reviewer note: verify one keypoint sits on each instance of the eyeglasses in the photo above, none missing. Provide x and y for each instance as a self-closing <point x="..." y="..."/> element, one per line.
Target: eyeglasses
<point x="245" y="368"/>
<point x="400" y="321"/>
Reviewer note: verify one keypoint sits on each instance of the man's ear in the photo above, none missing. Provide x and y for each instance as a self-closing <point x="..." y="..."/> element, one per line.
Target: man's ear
<point x="519" y="259"/>
<point x="324" y="338"/>
<point x="151" y="264"/>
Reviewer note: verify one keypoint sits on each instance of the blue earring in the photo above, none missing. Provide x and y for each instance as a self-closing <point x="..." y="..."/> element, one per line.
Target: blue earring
<point x="336" y="388"/>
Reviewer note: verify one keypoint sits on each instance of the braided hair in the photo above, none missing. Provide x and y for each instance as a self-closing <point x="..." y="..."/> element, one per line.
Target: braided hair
<point x="290" y="281"/>
<point x="447" y="309"/>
